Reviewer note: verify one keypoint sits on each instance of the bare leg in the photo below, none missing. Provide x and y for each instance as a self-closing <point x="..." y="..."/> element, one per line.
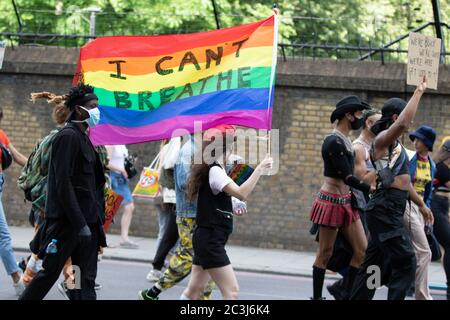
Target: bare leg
<point x="226" y="280"/>
<point x="327" y="237"/>
<point x="197" y="283"/>
<point x="126" y="220"/>
<point x="356" y="236"/>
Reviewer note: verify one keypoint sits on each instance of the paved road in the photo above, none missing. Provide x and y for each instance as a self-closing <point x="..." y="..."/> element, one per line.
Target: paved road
<point x="121" y="280"/>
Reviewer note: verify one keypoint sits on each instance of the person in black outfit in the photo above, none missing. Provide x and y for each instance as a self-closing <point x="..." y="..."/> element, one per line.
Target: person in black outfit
<point x="440" y="205"/>
<point x="334" y="209"/>
<point x="342" y="251"/>
<point x="74" y="203"/>
<point x="389" y="243"/>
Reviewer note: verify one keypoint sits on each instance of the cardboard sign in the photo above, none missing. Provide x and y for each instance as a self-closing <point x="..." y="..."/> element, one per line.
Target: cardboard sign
<point x="112" y="205"/>
<point x="2" y="53"/>
<point x="423" y="59"/>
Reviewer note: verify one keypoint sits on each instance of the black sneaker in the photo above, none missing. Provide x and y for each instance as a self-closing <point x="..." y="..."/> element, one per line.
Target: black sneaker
<point x="143" y="295"/>
<point x="97" y="286"/>
<point x="337" y="290"/>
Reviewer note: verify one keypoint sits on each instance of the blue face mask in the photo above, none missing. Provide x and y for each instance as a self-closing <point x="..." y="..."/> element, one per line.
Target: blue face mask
<point x="94" y="117"/>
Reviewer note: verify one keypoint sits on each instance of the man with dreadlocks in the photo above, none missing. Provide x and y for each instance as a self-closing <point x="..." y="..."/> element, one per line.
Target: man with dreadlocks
<point x="73" y="207"/>
<point x="33" y="178"/>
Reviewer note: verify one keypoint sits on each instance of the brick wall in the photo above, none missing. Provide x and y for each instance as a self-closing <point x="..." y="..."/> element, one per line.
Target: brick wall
<point x="306" y="93"/>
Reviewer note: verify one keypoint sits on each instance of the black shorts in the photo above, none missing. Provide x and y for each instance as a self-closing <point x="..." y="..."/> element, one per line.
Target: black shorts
<point x="209" y="248"/>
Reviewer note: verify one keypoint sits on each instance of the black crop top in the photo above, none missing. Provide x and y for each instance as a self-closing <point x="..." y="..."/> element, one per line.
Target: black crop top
<point x="339" y="162"/>
<point x="401" y="165"/>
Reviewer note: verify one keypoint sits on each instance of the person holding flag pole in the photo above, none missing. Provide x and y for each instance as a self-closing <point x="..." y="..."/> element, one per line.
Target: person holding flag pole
<point x="214" y="190"/>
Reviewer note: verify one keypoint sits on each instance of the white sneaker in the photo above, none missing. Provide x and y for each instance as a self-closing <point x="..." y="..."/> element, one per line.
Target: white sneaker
<point x="19" y="287"/>
<point x="63" y="290"/>
<point x="154" y="275"/>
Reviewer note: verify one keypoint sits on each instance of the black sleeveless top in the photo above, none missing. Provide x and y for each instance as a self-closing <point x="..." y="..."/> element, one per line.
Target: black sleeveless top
<point x="401" y="164"/>
<point x="214" y="211"/>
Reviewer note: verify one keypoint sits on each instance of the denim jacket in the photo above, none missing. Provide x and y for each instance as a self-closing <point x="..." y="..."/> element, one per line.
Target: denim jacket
<point x="182" y="170"/>
<point x="429" y="186"/>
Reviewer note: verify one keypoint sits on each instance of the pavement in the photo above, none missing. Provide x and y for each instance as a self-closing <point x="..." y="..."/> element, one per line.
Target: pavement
<point x="272" y="261"/>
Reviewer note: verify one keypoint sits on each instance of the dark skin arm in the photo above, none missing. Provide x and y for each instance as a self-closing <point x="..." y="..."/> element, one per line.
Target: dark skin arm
<point x="387" y="137"/>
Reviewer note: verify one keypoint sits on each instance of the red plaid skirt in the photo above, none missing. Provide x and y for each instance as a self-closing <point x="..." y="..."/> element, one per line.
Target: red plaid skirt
<point x="333" y="210"/>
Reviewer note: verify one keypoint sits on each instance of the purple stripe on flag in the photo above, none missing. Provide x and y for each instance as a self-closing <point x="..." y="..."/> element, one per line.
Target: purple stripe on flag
<point x="106" y="134"/>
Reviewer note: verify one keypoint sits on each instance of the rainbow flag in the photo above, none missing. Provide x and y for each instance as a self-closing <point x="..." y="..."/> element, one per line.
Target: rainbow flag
<point x="148" y="86"/>
<point x="240" y="173"/>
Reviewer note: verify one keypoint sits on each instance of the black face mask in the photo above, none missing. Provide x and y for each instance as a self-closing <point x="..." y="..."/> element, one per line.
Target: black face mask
<point x="357" y="123"/>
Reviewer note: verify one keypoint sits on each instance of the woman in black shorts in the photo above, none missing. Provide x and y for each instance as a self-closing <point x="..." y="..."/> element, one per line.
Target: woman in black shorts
<point x="440" y="205"/>
<point x="214" y="190"/>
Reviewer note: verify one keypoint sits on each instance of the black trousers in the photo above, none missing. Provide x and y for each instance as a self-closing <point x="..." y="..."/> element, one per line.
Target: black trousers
<point x="84" y="257"/>
<point x="441" y="229"/>
<point x="389" y="250"/>
<point x="168" y="240"/>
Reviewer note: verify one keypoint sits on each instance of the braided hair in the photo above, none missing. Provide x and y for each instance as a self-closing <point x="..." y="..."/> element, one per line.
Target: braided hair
<point x="60" y="110"/>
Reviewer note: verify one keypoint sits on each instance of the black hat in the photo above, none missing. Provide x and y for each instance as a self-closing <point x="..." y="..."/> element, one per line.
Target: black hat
<point x="390" y="107"/>
<point x="393" y="106"/>
<point x="348" y="104"/>
<point x="426" y="134"/>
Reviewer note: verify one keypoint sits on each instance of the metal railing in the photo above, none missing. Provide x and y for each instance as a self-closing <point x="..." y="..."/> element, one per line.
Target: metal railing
<point x="41" y="32"/>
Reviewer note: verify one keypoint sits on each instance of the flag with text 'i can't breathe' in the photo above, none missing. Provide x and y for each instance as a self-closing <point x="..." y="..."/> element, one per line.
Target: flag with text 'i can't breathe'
<point x="149" y="86"/>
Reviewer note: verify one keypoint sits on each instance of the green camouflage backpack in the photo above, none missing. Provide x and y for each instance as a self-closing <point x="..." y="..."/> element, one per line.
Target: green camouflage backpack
<point x="33" y="178"/>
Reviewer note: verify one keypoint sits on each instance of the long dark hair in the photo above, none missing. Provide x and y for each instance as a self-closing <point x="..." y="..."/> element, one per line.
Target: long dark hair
<point x="198" y="174"/>
<point x="200" y="171"/>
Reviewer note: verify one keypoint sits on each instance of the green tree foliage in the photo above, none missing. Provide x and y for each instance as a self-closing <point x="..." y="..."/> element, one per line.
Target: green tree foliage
<point x="344" y="22"/>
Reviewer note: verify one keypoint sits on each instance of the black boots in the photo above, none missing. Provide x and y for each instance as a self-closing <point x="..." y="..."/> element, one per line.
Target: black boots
<point x="337" y="290"/>
<point x="318" y="278"/>
<point x="342" y="288"/>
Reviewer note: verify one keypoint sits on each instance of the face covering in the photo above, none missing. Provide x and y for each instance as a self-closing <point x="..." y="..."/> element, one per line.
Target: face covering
<point x="357" y="123"/>
<point x="93" y="119"/>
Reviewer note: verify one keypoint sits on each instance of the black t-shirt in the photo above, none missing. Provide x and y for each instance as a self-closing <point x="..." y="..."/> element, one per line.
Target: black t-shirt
<point x="442" y="177"/>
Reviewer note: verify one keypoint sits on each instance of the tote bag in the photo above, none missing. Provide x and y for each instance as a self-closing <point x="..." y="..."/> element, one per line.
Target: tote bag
<point x="148" y="185"/>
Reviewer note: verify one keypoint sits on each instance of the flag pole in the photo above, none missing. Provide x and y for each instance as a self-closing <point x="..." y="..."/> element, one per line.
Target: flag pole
<point x="272" y="75"/>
